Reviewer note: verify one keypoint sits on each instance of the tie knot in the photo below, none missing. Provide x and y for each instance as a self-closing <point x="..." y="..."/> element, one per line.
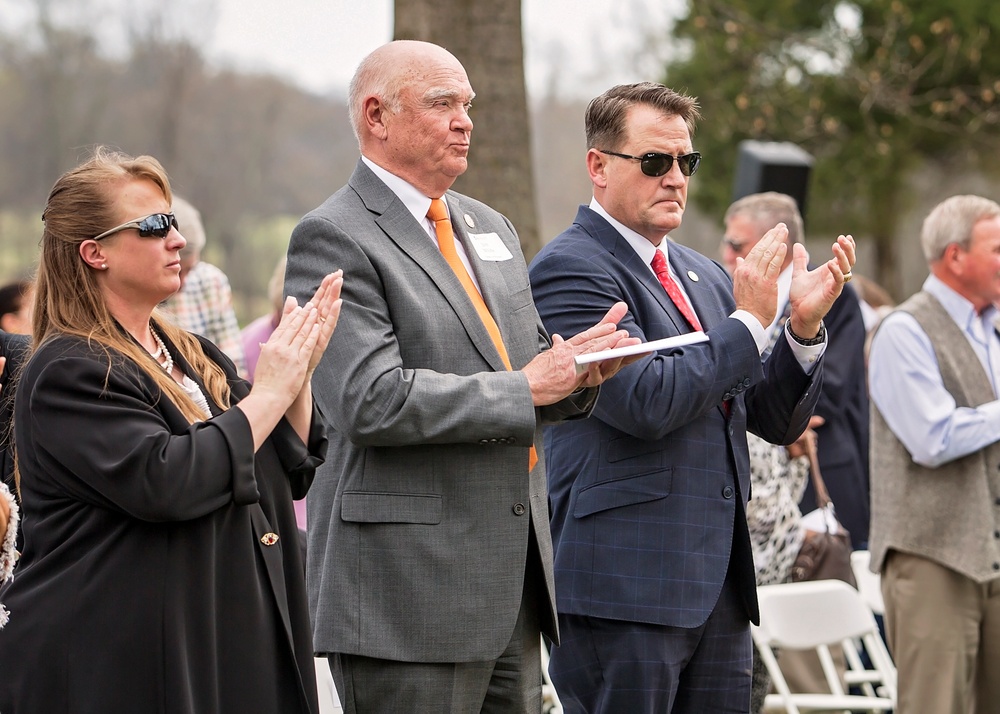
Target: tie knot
<point x="659" y="262"/>
<point x="438" y="210"/>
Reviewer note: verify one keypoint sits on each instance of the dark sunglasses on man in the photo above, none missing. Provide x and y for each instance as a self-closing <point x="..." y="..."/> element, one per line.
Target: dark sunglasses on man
<point x="156" y="225"/>
<point x="653" y="164"/>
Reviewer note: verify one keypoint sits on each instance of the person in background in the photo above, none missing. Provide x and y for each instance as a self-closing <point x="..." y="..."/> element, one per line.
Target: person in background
<point x="12" y="350"/>
<point x="654" y="571"/>
<point x="934" y="370"/>
<point x="842" y="440"/>
<point x="204" y="304"/>
<point x="257" y="332"/>
<point x="16" y="307"/>
<point x="9" y="511"/>
<point x="156" y="574"/>
<point x="429" y="552"/>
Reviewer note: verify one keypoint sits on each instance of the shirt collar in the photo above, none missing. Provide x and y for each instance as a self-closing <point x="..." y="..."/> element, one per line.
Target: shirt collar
<point x="959" y="308"/>
<point x="416" y="202"/>
<point x="640" y="245"/>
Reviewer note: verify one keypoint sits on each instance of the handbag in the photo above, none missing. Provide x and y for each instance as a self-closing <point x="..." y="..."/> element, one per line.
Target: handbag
<point x="826" y="551"/>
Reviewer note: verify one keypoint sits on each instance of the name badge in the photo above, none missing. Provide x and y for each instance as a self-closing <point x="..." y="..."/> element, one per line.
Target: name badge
<point x="489" y="247"/>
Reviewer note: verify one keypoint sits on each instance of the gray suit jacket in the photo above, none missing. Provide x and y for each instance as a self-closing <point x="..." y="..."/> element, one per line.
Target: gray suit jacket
<point x="419" y="521"/>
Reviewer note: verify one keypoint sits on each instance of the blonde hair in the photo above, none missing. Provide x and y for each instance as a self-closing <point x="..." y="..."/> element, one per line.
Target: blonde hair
<point x="68" y="299"/>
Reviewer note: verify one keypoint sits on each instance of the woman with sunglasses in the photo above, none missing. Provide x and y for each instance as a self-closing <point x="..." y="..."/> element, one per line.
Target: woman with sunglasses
<point x="160" y="571"/>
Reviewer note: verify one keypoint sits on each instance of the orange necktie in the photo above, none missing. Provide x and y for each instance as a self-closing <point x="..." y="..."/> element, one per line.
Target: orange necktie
<point x="438" y="213"/>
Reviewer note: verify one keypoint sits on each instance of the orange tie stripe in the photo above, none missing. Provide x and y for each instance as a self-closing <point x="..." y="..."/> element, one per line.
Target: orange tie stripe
<point x="438" y="213"/>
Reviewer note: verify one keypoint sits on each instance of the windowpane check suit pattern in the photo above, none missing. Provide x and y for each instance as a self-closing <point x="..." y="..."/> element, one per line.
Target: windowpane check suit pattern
<point x="648" y="495"/>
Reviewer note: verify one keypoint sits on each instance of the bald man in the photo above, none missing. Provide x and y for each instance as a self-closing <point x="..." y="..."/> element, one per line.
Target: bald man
<point x="430" y="560"/>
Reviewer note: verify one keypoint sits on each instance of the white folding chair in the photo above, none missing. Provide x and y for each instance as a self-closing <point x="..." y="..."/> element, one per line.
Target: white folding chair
<point x="869" y="583"/>
<point x="550" y="700"/>
<point x="812" y="616"/>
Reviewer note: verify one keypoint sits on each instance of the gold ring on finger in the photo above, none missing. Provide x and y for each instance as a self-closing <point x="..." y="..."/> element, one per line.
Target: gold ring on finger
<point x="847" y="276"/>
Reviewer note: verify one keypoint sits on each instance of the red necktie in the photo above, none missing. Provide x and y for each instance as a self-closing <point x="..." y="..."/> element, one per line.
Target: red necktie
<point x="673" y="289"/>
<point x="438" y="213"/>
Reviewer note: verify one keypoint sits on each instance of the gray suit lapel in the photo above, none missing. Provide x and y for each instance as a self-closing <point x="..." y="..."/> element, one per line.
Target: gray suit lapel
<point x="399" y="225"/>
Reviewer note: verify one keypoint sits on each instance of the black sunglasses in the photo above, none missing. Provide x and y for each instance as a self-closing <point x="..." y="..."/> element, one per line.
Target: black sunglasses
<point x="157" y="224"/>
<point x="653" y="164"/>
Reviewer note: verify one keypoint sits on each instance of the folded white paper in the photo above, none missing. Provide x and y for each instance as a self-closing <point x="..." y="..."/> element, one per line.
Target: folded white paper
<point x="666" y="343"/>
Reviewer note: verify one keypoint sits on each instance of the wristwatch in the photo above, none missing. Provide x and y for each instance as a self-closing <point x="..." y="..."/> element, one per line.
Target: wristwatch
<point x="817" y="340"/>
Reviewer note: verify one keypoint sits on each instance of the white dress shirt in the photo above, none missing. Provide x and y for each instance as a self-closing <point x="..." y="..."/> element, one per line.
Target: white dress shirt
<point x="806" y="355"/>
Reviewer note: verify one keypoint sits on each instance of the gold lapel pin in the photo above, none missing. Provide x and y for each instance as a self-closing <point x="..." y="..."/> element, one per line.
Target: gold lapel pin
<point x="469" y="222"/>
<point x="269" y="538"/>
<point x="693" y="275"/>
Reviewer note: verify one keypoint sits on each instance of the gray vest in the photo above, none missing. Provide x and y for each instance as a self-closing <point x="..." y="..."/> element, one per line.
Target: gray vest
<point x="949" y="514"/>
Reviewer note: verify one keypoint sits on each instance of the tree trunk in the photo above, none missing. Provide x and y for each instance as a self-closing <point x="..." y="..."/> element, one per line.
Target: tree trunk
<point x="485" y="36"/>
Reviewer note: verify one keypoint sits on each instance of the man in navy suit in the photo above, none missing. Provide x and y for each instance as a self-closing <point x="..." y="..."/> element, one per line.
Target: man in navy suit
<point x="654" y="573"/>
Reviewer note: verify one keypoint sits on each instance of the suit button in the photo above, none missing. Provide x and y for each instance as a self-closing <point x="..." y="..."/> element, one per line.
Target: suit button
<point x="518" y="509"/>
<point x="996" y="534"/>
<point x="996" y="566"/>
<point x="997" y="501"/>
<point x="484" y="442"/>
<point x="494" y="441"/>
<point x="727" y="492"/>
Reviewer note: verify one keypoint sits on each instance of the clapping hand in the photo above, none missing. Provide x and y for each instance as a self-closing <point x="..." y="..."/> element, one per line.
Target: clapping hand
<point x="328" y="303"/>
<point x="553" y="374"/>
<point x="287" y="360"/>
<point x="813" y="292"/>
<point x="296" y="346"/>
<point x="755" y="278"/>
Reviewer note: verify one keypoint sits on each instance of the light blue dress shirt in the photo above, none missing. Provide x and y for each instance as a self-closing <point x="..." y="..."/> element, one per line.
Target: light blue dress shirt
<point x="906" y="386"/>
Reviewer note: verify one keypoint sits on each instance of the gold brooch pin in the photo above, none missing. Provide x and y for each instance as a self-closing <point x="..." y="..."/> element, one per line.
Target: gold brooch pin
<point x="269" y="538"/>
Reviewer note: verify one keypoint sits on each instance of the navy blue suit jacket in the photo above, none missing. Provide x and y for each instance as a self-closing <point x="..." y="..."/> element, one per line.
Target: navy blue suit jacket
<point x="648" y="495"/>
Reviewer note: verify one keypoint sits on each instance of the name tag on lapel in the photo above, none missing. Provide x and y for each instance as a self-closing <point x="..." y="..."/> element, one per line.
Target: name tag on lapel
<point x="489" y="247"/>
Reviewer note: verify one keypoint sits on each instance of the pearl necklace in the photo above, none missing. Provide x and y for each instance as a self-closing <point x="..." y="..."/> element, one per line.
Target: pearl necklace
<point x="161" y="350"/>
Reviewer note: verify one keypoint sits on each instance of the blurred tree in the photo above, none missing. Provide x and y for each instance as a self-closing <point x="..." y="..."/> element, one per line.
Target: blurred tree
<point x="486" y="38"/>
<point x="872" y="88"/>
<point x="243" y="148"/>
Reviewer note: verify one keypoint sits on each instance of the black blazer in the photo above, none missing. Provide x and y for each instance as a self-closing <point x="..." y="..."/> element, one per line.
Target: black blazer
<point x="161" y="571"/>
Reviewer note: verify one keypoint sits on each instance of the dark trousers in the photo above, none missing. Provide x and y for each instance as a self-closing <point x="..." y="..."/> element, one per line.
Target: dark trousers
<point x="611" y="666"/>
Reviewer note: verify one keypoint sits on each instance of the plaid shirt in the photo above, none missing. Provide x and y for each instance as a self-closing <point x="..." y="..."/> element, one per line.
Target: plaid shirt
<point x="205" y="306"/>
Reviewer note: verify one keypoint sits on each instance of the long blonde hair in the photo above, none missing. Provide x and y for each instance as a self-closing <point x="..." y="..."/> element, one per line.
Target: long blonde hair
<point x="68" y="299"/>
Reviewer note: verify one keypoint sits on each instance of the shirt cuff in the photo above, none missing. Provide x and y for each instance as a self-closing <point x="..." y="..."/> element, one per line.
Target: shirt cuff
<point x="806" y="355"/>
<point x="756" y="329"/>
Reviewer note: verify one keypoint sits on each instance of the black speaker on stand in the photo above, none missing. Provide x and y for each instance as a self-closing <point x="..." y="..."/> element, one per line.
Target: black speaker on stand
<point x="773" y="166"/>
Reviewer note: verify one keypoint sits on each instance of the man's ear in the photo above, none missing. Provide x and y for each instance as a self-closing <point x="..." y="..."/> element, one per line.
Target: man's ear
<point x="597" y="163"/>
<point x="952" y="258"/>
<point x="375" y="116"/>
<point x="92" y="253"/>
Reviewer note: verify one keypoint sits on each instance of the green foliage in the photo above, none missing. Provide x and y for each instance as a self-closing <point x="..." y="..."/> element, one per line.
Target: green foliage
<point x="872" y="89"/>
